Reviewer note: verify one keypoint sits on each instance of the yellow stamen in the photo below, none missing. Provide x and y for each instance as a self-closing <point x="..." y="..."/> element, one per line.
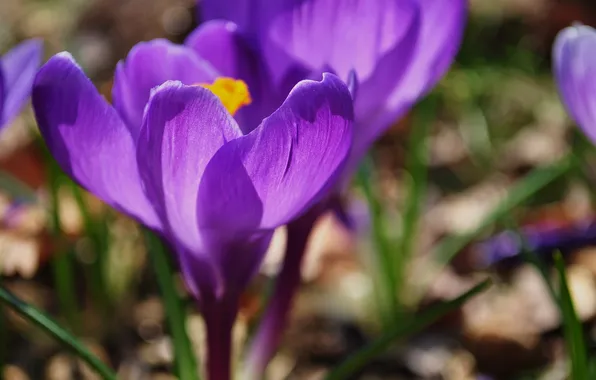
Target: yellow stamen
<point x="233" y="93"/>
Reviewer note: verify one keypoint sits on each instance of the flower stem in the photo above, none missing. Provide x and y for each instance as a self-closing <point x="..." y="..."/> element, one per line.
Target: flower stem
<point x="271" y="327"/>
<point x="385" y="257"/>
<point x="185" y="360"/>
<point x="62" y="262"/>
<point x="95" y="271"/>
<point x="219" y="322"/>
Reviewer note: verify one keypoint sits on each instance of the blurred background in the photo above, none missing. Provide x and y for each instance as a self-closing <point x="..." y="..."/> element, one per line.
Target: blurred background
<point x="499" y="118"/>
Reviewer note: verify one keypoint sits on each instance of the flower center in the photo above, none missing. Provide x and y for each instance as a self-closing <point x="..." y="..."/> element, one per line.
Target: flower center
<point x="233" y="93"/>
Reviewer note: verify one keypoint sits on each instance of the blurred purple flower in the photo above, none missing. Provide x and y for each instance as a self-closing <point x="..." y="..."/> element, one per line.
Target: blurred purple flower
<point x="574" y="62"/>
<point x="188" y="172"/>
<point x="541" y="240"/>
<point x="17" y="70"/>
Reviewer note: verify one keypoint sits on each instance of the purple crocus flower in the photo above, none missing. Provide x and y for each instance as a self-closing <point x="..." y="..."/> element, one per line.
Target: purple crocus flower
<point x="396" y="50"/>
<point x="188" y="172"/>
<point x="574" y="64"/>
<point x="17" y="70"/>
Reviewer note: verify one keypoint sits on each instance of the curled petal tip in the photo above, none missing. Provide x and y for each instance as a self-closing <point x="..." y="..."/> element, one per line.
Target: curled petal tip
<point x="66" y="56"/>
<point x="573" y="32"/>
<point x="353" y="83"/>
<point x="166" y="85"/>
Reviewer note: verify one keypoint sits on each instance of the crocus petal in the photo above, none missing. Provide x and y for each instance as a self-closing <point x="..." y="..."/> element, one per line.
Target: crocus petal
<point x="375" y="40"/>
<point x="290" y="158"/>
<point x="148" y="65"/>
<point x="183" y="128"/>
<point x="222" y="45"/>
<point x="262" y="180"/>
<point x="574" y="60"/>
<point x="443" y="24"/>
<point x="541" y="240"/>
<point x="2" y="97"/>
<point x="200" y="273"/>
<point x="344" y="35"/>
<point x="87" y="137"/>
<point x="352" y="83"/>
<point x="250" y="15"/>
<point x="441" y="32"/>
<point x="389" y="73"/>
<point x="19" y="67"/>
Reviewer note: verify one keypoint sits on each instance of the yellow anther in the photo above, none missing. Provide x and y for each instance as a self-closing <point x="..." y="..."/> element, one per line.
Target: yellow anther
<point x="233" y="93"/>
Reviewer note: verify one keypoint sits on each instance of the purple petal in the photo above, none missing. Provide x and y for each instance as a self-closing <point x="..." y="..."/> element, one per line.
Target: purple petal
<point x="390" y="71"/>
<point x="542" y="240"/>
<point x="148" y="65"/>
<point x="375" y="40"/>
<point x="219" y="43"/>
<point x="265" y="179"/>
<point x="18" y="68"/>
<point x="439" y="39"/>
<point x="200" y="273"/>
<point x="87" y="137"/>
<point x="342" y="34"/>
<point x="229" y="219"/>
<point x="290" y="159"/>
<point x="443" y="24"/>
<point x="2" y="97"/>
<point x="225" y="48"/>
<point x="250" y="15"/>
<point x="183" y="128"/>
<point x="352" y="83"/>
<point x="236" y="257"/>
<point x="574" y="61"/>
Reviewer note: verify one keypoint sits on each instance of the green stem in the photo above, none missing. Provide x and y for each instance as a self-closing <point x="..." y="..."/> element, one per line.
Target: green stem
<point x="50" y="327"/>
<point x="572" y="327"/>
<point x="417" y="165"/>
<point x="385" y="261"/>
<point x="62" y="263"/>
<point x="184" y="357"/>
<point x="96" y="275"/>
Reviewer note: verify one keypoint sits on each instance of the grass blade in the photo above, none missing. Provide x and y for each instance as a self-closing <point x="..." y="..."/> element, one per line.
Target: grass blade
<point x="184" y="357"/>
<point x="45" y="323"/>
<point x="417" y="167"/>
<point x="62" y="262"/>
<point x="572" y="327"/>
<point x="384" y="255"/>
<point x="408" y="326"/>
<point x="94" y="232"/>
